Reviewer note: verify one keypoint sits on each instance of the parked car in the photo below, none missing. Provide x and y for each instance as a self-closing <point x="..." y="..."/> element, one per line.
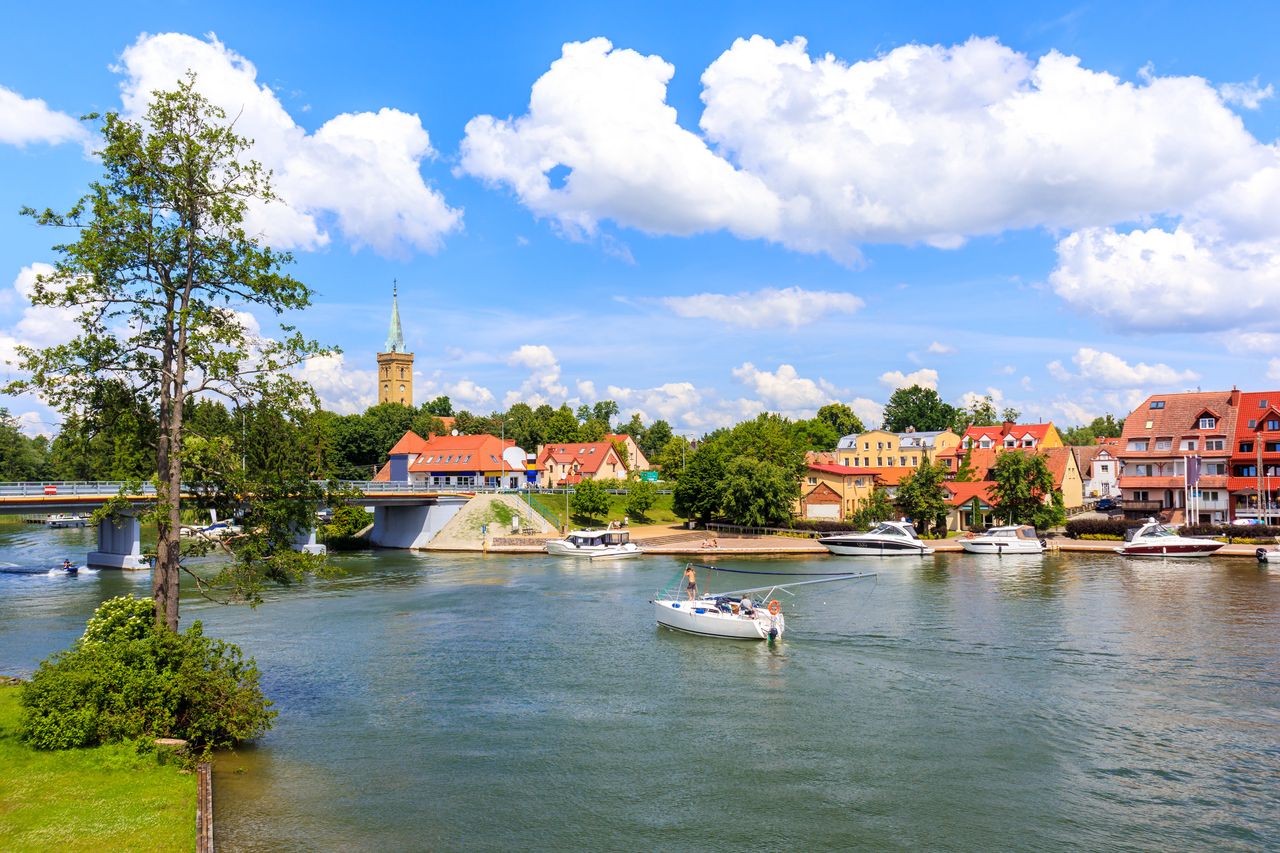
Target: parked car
<point x="1104" y="504"/>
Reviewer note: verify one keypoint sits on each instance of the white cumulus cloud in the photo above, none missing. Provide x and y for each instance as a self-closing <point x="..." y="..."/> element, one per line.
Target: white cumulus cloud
<point x="30" y="120"/>
<point x="785" y="390"/>
<point x="543" y="384"/>
<point x="359" y="171"/>
<point x="1247" y="95"/>
<point x="766" y="308"/>
<point x="924" y="143"/>
<point x="1106" y="370"/>
<point x="925" y="377"/>
<point x="937" y="348"/>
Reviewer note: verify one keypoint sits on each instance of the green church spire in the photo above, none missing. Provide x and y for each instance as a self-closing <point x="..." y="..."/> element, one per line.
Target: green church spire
<point x="395" y="338"/>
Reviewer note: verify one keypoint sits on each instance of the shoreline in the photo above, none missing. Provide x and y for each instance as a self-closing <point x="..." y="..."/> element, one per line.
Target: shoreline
<point x="784" y="546"/>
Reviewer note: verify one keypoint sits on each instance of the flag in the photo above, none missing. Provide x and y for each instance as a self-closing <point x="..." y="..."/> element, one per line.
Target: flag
<point x="1193" y="470"/>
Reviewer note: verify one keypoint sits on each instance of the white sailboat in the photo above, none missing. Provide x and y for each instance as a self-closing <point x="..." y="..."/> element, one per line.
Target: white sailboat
<point x="741" y="614"/>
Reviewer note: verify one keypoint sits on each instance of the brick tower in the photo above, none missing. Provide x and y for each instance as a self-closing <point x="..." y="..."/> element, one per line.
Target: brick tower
<point x="395" y="366"/>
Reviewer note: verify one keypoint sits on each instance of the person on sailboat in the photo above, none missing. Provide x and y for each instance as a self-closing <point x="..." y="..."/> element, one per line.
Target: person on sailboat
<point x="747" y="608"/>
<point x="691" y="582"/>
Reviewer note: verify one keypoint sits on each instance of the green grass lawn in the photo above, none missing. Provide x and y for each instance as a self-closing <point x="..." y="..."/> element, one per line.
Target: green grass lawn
<point x="104" y="798"/>
<point x="659" y="513"/>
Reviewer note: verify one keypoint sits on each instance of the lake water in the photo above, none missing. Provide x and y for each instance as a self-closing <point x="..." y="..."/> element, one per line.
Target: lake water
<point x="451" y="702"/>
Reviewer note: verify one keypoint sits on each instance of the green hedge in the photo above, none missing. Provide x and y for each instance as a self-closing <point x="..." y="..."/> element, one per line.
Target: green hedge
<point x="1233" y="531"/>
<point x="1079" y="527"/>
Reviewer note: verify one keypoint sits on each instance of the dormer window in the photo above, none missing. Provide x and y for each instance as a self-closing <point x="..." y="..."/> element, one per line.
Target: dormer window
<point x="1157" y="404"/>
<point x="1262" y="404"/>
<point x="986" y="442"/>
<point x="1028" y="442"/>
<point x="1273" y="425"/>
<point x="1208" y="422"/>
<point x="1010" y="442"/>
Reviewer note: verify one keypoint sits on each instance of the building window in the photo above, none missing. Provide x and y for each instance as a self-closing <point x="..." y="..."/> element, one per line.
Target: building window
<point x="1157" y="404"/>
<point x="1272" y="447"/>
<point x="813" y="481"/>
<point x="1028" y="442"/>
<point x="1213" y="444"/>
<point x="986" y="442"/>
<point x="1246" y="447"/>
<point x="1209" y="496"/>
<point x="1252" y="424"/>
<point x="1262" y="404"/>
<point x="1142" y="471"/>
<point x="1163" y="443"/>
<point x="1140" y="495"/>
<point x="858" y="482"/>
<point x="902" y="460"/>
<point x="1208" y="423"/>
<point x="1246" y="471"/>
<point x="879" y="461"/>
<point x="1215" y="469"/>
<point x="1187" y="444"/>
<point x="1137" y="444"/>
<point x="1273" y="425"/>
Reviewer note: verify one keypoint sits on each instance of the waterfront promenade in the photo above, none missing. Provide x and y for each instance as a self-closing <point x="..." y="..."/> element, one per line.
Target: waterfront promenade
<point x="675" y="540"/>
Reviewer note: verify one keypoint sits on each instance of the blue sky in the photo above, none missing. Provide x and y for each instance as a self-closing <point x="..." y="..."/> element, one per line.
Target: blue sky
<point x="1067" y="207"/>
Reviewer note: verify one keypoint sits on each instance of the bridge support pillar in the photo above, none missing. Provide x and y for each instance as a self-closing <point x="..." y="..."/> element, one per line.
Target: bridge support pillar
<point x="119" y="544"/>
<point x="305" y="541"/>
<point x="413" y="526"/>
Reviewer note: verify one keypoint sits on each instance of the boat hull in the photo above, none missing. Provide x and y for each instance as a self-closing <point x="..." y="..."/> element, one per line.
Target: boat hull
<point x="1013" y="547"/>
<point x="1169" y="550"/>
<point x="559" y="548"/>
<point x="703" y="619"/>
<point x="854" y="548"/>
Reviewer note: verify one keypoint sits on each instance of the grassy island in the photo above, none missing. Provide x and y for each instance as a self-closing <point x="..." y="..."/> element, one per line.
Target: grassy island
<point x="100" y="798"/>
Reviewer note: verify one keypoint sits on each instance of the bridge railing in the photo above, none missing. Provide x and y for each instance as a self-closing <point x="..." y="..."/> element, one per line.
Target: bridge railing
<point x="70" y="487"/>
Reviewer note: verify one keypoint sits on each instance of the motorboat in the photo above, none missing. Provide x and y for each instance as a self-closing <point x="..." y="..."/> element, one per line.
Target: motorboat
<point x="741" y="614"/>
<point x="217" y="530"/>
<point x="1154" y="539"/>
<point x="886" y="539"/>
<point x="595" y="545"/>
<point x="65" y="519"/>
<point x="1012" y="539"/>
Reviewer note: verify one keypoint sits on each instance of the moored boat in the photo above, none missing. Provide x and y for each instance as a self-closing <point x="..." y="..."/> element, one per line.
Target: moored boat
<point x="1154" y="539"/>
<point x="595" y="544"/>
<point x="886" y="539"/>
<point x="65" y="519"/>
<point x="1011" y="539"/>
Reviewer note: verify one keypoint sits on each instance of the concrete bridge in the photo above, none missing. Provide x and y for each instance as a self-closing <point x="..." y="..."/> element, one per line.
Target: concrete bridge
<point x="405" y="515"/>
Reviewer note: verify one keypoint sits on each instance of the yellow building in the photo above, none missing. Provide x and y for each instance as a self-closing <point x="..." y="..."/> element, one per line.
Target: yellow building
<point x="395" y="366"/>
<point x="833" y="491"/>
<point x="883" y="449"/>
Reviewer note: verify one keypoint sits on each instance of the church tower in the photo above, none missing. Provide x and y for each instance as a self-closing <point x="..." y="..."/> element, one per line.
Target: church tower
<point x="395" y="366"/>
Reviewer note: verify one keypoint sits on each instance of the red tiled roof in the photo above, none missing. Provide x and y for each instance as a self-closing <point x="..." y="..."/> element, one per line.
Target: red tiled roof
<point x="887" y="476"/>
<point x="384" y="474"/>
<point x="1177" y="419"/>
<point x="822" y="493"/>
<point x="998" y="432"/>
<point x="961" y="493"/>
<point x="845" y="470"/>
<point x="589" y="455"/>
<point x="449" y="454"/>
<point x="982" y="460"/>
<point x="410" y="442"/>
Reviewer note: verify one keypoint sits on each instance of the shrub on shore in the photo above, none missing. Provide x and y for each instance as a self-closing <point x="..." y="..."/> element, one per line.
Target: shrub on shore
<point x="1079" y="528"/>
<point x="1239" y="532"/>
<point x="127" y="678"/>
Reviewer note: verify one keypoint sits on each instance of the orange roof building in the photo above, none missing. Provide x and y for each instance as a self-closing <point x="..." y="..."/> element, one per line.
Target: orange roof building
<point x="567" y="463"/>
<point x="455" y="461"/>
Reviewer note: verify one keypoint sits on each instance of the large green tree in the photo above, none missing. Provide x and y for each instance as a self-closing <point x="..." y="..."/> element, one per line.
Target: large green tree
<point x="841" y="418"/>
<point x="918" y="408"/>
<point x="757" y="493"/>
<point x="159" y="270"/>
<point x="921" y="499"/>
<point x="1105" y="426"/>
<point x="1023" y="491"/>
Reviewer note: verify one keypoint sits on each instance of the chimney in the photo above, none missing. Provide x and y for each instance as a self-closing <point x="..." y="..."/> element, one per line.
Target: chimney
<point x="1234" y="400"/>
<point x="1006" y="428"/>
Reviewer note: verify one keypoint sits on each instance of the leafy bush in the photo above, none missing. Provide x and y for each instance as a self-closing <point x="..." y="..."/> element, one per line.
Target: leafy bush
<point x="340" y="533"/>
<point x="128" y="678"/>
<point x="1101" y="537"/>
<point x="640" y="497"/>
<point x="1233" y="531"/>
<point x="589" y="500"/>
<point x="1110" y="527"/>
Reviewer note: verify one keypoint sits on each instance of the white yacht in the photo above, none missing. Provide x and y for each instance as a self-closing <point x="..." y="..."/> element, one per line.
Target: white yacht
<point x="1154" y="539"/>
<point x="595" y="544"/>
<point x="886" y="539"/>
<point x="1013" y="539"/>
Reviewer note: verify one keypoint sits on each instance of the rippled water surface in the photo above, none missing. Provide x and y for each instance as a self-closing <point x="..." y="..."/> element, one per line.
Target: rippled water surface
<point x="957" y="702"/>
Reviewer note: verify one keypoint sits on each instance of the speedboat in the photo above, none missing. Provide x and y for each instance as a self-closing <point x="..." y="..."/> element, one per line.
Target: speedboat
<point x="1154" y="539"/>
<point x="886" y="539"/>
<point x="737" y="615"/>
<point x="595" y="544"/>
<point x="1013" y="539"/>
